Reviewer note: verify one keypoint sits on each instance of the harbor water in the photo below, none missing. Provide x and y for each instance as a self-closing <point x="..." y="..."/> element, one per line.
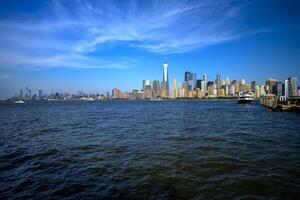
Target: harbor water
<point x="185" y="149"/>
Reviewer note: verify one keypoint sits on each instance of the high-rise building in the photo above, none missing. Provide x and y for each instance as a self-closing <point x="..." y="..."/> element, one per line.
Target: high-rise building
<point x="218" y="83"/>
<point x="134" y="94"/>
<point x="293" y="87"/>
<point x="26" y="92"/>
<point x="286" y="88"/>
<point x="198" y="83"/>
<point x="210" y="88"/>
<point x="147" y="92"/>
<point x="257" y="91"/>
<point x="253" y="86"/>
<point x="279" y="89"/>
<point x="242" y="85"/>
<point x="145" y="83"/>
<point x="174" y="92"/>
<point x="165" y="73"/>
<point x="227" y="86"/>
<point x="21" y="93"/>
<point x="204" y="78"/>
<point x="185" y="89"/>
<point x="232" y="89"/>
<point x="116" y="93"/>
<point x="156" y="89"/>
<point x="271" y="86"/>
<point x="40" y="93"/>
<point x="165" y="83"/>
<point x="262" y="90"/>
<point x="191" y="79"/>
<point x="242" y="82"/>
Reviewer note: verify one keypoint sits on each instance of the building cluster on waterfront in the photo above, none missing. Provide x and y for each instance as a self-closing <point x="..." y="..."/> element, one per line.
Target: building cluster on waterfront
<point x="193" y="88"/>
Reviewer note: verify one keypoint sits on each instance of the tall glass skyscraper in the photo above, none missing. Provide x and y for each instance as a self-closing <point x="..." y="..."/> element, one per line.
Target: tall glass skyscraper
<point x="156" y="89"/>
<point x="165" y="73"/>
<point x="204" y="78"/>
<point x="190" y="78"/>
<point x="165" y="83"/>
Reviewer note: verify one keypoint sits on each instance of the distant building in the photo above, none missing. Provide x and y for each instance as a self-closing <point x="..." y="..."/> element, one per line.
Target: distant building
<point x="185" y="89"/>
<point x="221" y="92"/>
<point x="165" y="83"/>
<point x="279" y="89"/>
<point x="174" y="92"/>
<point x="210" y="88"/>
<point x="165" y="90"/>
<point x="145" y="83"/>
<point x="262" y="90"/>
<point x="257" y="91"/>
<point x="242" y="85"/>
<point x="198" y="83"/>
<point x="231" y="89"/>
<point x="248" y="88"/>
<point x="227" y="86"/>
<point x="134" y="94"/>
<point x="147" y="92"/>
<point x="204" y="78"/>
<point x="156" y="89"/>
<point x="293" y="87"/>
<point x="286" y="89"/>
<point x="218" y="83"/>
<point x="253" y="86"/>
<point x="40" y="93"/>
<point x="271" y="86"/>
<point x="190" y="78"/>
<point x="116" y="93"/>
<point x="21" y="93"/>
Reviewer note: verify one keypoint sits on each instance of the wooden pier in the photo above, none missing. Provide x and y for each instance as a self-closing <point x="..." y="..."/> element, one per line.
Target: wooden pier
<point x="272" y="102"/>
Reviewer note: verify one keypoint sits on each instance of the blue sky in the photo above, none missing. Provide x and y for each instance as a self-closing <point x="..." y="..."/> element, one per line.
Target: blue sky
<point x="97" y="45"/>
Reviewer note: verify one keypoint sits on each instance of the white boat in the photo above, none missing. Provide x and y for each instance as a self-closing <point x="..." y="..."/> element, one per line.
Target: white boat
<point x="245" y="97"/>
<point x="19" y="101"/>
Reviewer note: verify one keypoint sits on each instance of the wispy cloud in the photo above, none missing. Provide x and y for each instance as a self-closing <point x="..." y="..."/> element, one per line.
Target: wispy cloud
<point x="5" y="76"/>
<point x="74" y="34"/>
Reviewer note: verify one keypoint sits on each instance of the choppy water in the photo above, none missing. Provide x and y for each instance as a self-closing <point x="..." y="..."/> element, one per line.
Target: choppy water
<point x="148" y="150"/>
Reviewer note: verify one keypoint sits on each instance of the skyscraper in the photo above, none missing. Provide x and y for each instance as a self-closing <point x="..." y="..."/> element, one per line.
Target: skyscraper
<point x="242" y="85"/>
<point x="218" y="83"/>
<point x="191" y="79"/>
<point x="174" y="94"/>
<point x="116" y="93"/>
<point x="293" y="86"/>
<point x="40" y="93"/>
<point x="165" y="83"/>
<point x="253" y="86"/>
<point x="227" y="86"/>
<point x="279" y="89"/>
<point x="21" y="93"/>
<point x="204" y="78"/>
<point x="156" y="89"/>
<point x="286" y="88"/>
<point x="147" y="92"/>
<point x="145" y="83"/>
<point x="198" y="83"/>
<point x="271" y="85"/>
<point x="165" y="73"/>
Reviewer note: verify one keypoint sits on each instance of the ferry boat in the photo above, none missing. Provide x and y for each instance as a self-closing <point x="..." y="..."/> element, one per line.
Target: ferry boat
<point x="245" y="97"/>
<point x="19" y="101"/>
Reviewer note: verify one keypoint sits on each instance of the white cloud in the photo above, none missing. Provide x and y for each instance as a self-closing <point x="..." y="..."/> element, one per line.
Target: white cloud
<point x="76" y="30"/>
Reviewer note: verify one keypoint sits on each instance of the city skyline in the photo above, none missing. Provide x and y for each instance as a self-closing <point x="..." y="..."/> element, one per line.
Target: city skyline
<point x="94" y="46"/>
<point x="191" y="88"/>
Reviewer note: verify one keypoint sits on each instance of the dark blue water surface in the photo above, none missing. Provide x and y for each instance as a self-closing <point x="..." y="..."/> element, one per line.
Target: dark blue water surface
<point x="148" y="150"/>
